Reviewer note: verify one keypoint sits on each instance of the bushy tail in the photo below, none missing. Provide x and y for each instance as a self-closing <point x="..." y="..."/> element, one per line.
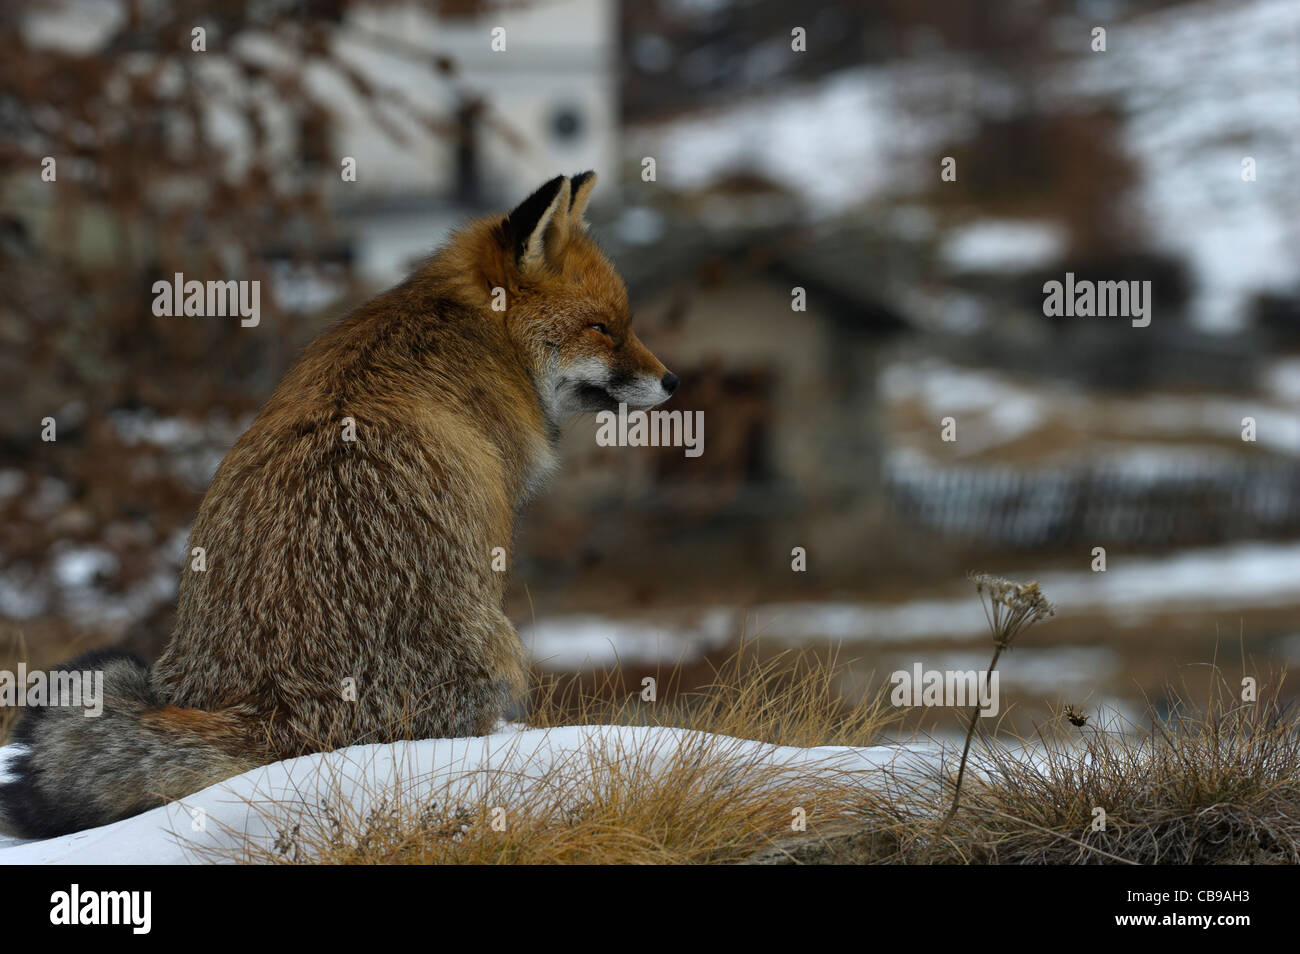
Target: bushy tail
<point x="76" y="770"/>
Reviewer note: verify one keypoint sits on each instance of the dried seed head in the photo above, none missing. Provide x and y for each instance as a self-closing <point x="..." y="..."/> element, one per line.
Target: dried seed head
<point x="1010" y="606"/>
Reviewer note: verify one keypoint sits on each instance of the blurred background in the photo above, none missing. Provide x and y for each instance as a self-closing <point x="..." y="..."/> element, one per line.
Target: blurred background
<point x="775" y="168"/>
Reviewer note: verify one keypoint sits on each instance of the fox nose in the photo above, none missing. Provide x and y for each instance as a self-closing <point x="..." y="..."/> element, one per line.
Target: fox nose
<point x="669" y="382"/>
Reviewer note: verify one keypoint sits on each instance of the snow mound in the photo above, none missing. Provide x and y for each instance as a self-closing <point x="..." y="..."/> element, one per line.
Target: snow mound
<point x="256" y="807"/>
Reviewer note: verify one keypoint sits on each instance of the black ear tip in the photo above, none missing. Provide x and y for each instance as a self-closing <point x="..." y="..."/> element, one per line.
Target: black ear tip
<point x="576" y="182"/>
<point x="539" y="201"/>
<point x="524" y="219"/>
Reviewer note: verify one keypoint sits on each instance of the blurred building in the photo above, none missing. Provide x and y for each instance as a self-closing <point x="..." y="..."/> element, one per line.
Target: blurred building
<point x="525" y="93"/>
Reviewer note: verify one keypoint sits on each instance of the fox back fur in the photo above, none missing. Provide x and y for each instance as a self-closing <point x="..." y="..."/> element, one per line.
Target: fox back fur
<point x="349" y="594"/>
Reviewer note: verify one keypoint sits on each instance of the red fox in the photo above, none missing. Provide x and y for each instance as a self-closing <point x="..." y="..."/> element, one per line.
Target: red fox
<point x="349" y="594"/>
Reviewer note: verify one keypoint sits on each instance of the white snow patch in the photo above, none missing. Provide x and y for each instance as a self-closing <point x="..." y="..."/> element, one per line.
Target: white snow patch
<point x="1203" y="86"/>
<point x="75" y="28"/>
<point x="79" y="567"/>
<point x="1204" y="580"/>
<point x="1043" y="669"/>
<point x="255" y="807"/>
<point x="640" y="225"/>
<point x="847" y="126"/>
<point x="1282" y="379"/>
<point x="997" y="245"/>
<point x="578" y="640"/>
<point x="23" y="594"/>
<point x="1256" y="574"/>
<point x="1009" y="411"/>
<point x="11" y="482"/>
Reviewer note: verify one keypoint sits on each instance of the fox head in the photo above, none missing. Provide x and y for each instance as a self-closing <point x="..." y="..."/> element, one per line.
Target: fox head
<point x="566" y="309"/>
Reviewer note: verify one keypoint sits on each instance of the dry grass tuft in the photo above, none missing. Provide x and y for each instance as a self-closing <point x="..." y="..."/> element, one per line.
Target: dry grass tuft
<point x="794" y="698"/>
<point x="1216" y="786"/>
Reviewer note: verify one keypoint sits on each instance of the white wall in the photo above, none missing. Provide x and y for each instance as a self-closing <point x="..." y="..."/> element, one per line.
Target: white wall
<point x="558" y="56"/>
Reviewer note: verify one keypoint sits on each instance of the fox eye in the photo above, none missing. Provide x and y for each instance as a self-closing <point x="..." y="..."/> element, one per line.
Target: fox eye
<point x="601" y="328"/>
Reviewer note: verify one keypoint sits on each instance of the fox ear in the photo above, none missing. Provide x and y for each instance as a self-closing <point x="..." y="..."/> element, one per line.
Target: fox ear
<point x="539" y="225"/>
<point x="582" y="184"/>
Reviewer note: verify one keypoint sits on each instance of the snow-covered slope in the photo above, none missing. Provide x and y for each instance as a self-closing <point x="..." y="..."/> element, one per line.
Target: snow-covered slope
<point x="257" y="806"/>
